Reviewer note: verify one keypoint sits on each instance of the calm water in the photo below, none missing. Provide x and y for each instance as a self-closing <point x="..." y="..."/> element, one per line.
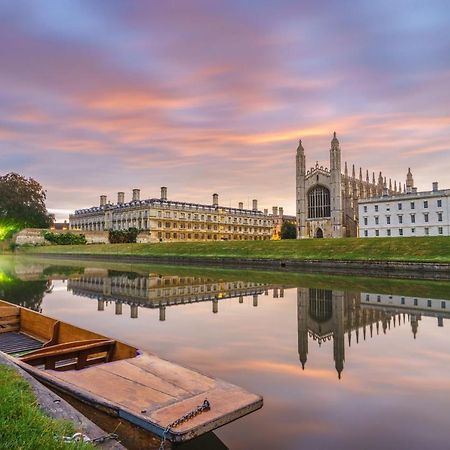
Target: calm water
<point x="342" y="363"/>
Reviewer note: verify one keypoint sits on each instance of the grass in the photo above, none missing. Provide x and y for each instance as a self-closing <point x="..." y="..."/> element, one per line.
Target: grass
<point x="411" y="249"/>
<point x="22" y="424"/>
<point x="392" y="286"/>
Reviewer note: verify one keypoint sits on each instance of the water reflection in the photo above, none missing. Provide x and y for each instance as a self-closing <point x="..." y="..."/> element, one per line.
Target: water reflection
<point x="374" y="353"/>
<point x="322" y="314"/>
<point x="325" y="315"/>
<point x="159" y="291"/>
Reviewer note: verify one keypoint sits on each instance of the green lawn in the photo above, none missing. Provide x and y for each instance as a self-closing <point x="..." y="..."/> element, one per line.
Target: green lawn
<point x="22" y="424"/>
<point x="426" y="249"/>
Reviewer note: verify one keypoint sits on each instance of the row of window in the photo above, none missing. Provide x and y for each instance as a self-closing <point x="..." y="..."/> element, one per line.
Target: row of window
<point x="202" y="226"/>
<point x="399" y="231"/>
<point x="426" y="218"/>
<point x="412" y="205"/>
<point x="416" y="301"/>
<point x="214" y="237"/>
<point x="209" y="218"/>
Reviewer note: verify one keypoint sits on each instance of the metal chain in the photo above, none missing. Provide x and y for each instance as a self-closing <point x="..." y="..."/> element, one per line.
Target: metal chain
<point x="80" y="437"/>
<point x="205" y="406"/>
<point x="106" y="437"/>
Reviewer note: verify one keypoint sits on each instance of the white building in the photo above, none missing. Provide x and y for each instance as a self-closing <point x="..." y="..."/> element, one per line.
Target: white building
<point x="409" y="214"/>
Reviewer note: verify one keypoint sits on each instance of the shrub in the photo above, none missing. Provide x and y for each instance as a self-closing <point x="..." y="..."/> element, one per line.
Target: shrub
<point x="65" y="238"/>
<point x="123" y="236"/>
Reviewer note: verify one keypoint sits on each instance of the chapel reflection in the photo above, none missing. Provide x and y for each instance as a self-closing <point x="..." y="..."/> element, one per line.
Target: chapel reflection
<point x="325" y="315"/>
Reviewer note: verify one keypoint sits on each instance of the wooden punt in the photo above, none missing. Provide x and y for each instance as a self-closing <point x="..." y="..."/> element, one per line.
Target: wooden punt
<point x="119" y="379"/>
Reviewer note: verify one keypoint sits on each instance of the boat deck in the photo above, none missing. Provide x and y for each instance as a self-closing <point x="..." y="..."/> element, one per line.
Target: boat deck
<point x="153" y="392"/>
<point x="16" y="343"/>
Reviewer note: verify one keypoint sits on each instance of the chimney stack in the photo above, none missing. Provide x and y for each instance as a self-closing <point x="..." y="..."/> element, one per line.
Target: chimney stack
<point x="102" y="200"/>
<point x="215" y="200"/>
<point x="241" y="205"/>
<point x="255" y="205"/>
<point x="120" y="198"/>
<point x="435" y="186"/>
<point x="275" y="210"/>
<point x="266" y="211"/>
<point x="280" y="209"/>
<point x="136" y="194"/>
<point x="163" y="193"/>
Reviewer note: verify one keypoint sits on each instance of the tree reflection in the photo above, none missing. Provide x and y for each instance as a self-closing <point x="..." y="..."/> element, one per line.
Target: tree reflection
<point x="23" y="293"/>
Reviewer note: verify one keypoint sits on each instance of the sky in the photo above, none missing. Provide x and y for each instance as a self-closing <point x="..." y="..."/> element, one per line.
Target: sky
<point x="211" y="96"/>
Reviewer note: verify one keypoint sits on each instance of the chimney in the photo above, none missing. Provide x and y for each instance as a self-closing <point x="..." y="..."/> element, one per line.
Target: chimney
<point x="414" y="190"/>
<point x="216" y="200"/>
<point x="435" y="186"/>
<point x="275" y="210"/>
<point x="102" y="200"/>
<point x="241" y="205"/>
<point x="266" y="211"/>
<point x="136" y="194"/>
<point x="120" y="198"/>
<point x="255" y="205"/>
<point x="280" y="209"/>
<point x="163" y="193"/>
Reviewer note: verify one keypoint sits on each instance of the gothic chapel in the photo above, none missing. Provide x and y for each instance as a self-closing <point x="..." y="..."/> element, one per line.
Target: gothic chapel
<point x="327" y="199"/>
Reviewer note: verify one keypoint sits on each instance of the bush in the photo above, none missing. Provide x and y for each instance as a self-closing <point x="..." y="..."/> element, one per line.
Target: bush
<point x="65" y="238"/>
<point x="123" y="236"/>
<point x="288" y="231"/>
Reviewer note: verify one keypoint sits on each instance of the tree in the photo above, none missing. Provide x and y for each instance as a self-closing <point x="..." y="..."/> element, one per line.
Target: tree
<point x="22" y="202"/>
<point x="288" y="231"/>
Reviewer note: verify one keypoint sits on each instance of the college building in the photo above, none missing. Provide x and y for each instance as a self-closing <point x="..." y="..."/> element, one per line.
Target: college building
<point x="168" y="220"/>
<point x="327" y="198"/>
<point x="412" y="213"/>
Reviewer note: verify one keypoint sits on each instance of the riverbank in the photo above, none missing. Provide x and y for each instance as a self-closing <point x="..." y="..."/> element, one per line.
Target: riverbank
<point x="421" y="249"/>
<point x="422" y="257"/>
<point x="22" y="422"/>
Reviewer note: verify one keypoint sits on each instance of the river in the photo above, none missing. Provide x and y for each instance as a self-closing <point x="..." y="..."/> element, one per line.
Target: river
<point x="342" y="362"/>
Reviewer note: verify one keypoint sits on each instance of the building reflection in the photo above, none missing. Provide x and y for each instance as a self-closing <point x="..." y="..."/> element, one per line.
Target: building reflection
<point x="158" y="291"/>
<point x="326" y="315"/>
<point x="323" y="315"/>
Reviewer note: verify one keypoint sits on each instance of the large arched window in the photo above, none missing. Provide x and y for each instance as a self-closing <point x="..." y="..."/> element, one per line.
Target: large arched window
<point x="320" y="304"/>
<point x="318" y="202"/>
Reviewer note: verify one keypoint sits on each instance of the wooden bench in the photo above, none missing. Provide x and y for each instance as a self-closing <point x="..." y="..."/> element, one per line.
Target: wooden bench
<point x="9" y="319"/>
<point x="72" y="355"/>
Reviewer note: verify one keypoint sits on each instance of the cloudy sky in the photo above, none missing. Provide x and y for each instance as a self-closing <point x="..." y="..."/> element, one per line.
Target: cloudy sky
<point x="212" y="96"/>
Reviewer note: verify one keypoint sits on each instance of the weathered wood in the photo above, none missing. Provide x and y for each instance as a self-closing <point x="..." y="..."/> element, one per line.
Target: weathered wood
<point x="141" y="388"/>
<point x="128" y="393"/>
<point x="182" y="377"/>
<point x="55" y="406"/>
<point x="51" y="355"/>
<point x="132" y="372"/>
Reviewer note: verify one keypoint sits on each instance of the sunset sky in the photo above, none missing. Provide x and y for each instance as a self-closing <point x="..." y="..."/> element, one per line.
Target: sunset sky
<point x="101" y="96"/>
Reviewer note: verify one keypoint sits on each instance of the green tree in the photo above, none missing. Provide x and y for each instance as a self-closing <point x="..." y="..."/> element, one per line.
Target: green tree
<point x="288" y="231"/>
<point x="22" y="202"/>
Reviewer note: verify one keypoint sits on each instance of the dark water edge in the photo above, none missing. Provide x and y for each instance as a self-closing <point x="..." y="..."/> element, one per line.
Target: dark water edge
<point x="382" y="269"/>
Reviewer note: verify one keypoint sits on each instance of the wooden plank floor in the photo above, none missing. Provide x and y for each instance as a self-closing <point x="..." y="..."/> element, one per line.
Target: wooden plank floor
<point x="160" y="391"/>
<point x="14" y="342"/>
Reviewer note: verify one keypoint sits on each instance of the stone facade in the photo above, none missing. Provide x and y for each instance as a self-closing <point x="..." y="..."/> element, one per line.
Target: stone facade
<point x="327" y="199"/>
<point x="408" y="214"/>
<point x="161" y="219"/>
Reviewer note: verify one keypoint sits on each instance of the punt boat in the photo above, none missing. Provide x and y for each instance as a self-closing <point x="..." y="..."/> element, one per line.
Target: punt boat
<point x="171" y="401"/>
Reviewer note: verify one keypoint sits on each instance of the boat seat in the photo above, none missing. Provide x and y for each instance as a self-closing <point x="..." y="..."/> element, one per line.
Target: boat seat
<point x="9" y="319"/>
<point x="72" y="355"/>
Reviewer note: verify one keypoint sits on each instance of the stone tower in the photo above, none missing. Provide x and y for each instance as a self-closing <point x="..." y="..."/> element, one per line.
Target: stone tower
<point x="302" y="323"/>
<point x="336" y="189"/>
<point x="301" y="194"/>
<point x="339" y="331"/>
<point x="409" y="181"/>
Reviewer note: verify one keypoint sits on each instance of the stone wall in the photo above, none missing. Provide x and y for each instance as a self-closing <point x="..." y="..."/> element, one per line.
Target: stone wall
<point x="35" y="236"/>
